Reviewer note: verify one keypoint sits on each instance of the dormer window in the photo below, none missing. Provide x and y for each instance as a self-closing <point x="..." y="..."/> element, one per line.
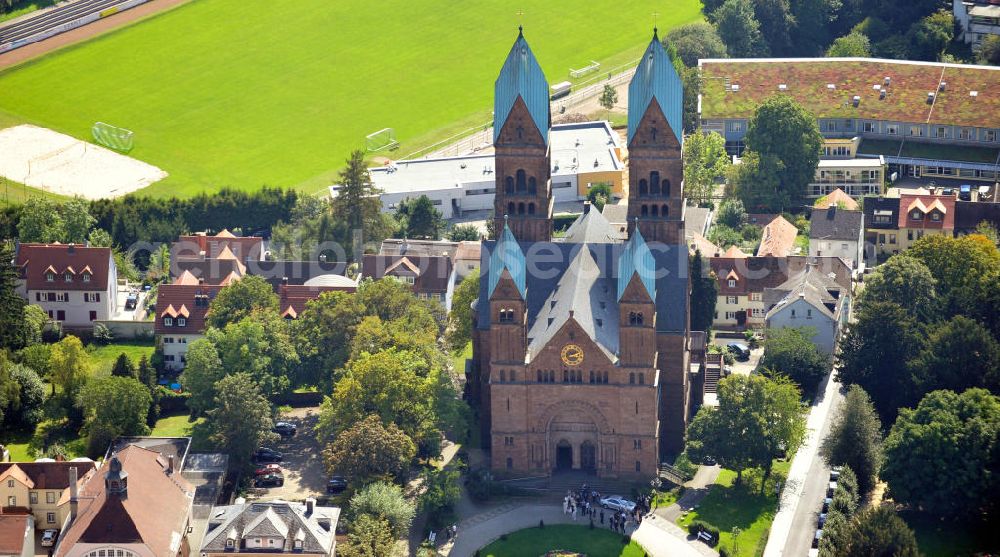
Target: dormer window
<point x="50" y="277"/>
<point x="230" y="543"/>
<point x="916" y="215"/>
<point x="298" y="544"/>
<point x="86" y="277"/>
<point x="936" y="216"/>
<point x="168" y="321"/>
<point x="68" y="277"/>
<point x="732" y="283"/>
<point x="181" y="322"/>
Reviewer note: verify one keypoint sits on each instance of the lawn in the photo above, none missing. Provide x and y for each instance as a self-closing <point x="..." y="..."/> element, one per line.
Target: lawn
<point x="242" y="94"/>
<point x="535" y="541"/>
<point x="103" y="357"/>
<point x="175" y="426"/>
<point x="728" y="506"/>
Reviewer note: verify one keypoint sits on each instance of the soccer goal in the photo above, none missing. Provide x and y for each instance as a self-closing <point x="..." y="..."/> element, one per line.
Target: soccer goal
<point x="590" y="68"/>
<point x="381" y="140"/>
<point x="113" y="137"/>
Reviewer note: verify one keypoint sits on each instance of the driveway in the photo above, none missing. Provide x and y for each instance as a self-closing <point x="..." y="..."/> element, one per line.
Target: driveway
<point x="303" y="464"/>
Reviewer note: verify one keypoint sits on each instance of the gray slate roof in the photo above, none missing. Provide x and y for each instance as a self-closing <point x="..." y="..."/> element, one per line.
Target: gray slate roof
<point x="656" y="78"/>
<point x="521" y="76"/>
<point x="835" y="224"/>
<point x="591" y="227"/>
<point x="272" y="519"/>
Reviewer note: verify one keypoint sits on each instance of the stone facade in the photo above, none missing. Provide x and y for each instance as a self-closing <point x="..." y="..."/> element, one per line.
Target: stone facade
<point x="656" y="174"/>
<point x="523" y="185"/>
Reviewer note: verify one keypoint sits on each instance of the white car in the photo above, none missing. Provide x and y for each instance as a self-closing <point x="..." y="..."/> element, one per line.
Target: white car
<point x="618" y="503"/>
<point x="49" y="537"/>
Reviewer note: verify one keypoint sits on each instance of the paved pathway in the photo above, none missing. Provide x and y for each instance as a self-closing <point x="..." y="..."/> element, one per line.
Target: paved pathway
<point x="694" y="491"/>
<point x="658" y="537"/>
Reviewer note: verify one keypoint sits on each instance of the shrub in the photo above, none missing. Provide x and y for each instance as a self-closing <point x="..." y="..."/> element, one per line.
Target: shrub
<point x="103" y="335"/>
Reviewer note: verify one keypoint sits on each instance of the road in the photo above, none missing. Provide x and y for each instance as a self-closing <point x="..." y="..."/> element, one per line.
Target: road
<point x="795" y="524"/>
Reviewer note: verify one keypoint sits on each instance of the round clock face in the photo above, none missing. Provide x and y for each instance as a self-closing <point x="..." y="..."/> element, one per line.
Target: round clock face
<point x="572" y="355"/>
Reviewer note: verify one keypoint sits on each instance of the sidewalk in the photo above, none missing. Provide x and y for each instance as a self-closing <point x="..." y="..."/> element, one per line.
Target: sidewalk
<point x="694" y="491"/>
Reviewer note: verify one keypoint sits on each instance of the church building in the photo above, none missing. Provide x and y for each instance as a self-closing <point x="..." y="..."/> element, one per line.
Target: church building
<point x="582" y="343"/>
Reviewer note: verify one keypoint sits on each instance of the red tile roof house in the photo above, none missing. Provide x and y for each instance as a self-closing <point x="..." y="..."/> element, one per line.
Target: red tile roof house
<point x="17" y="535"/>
<point x="430" y="276"/>
<point x="73" y="284"/>
<point x="743" y="280"/>
<point x="180" y="316"/>
<point x="39" y="488"/>
<point x="135" y="505"/>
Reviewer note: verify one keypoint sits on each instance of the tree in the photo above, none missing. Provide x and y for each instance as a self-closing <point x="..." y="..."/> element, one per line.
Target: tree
<point x="855" y="439"/>
<point x="99" y="238"/>
<point x="905" y="281"/>
<point x="34" y="323"/>
<point x="598" y="195"/>
<point x="874" y="355"/>
<point x="732" y="213"/>
<point x="203" y="369"/>
<point x="25" y="398"/>
<point x="369" y="537"/>
<point x="608" y="98"/>
<point x="880" y="531"/>
<point x="776" y="25"/>
<point x="958" y="264"/>
<point x="787" y="138"/>
<point x="369" y="450"/>
<point x="12" y="306"/>
<point x="738" y="28"/>
<point x="385" y="501"/>
<point x="705" y="163"/>
<point x="958" y="355"/>
<point x="812" y="24"/>
<point x="159" y="263"/>
<point x="113" y="407"/>
<point x="260" y="346"/>
<point x="942" y="457"/>
<point x="852" y="45"/>
<point x="241" y="420"/>
<point x="695" y="41"/>
<point x="989" y="50"/>
<point x="357" y="202"/>
<point x="441" y="493"/>
<point x="124" y="367"/>
<point x="930" y="36"/>
<point x="420" y="219"/>
<point x="146" y="374"/>
<point x="460" y="318"/>
<point x="758" y="419"/>
<point x="239" y="299"/>
<point x="77" y="221"/>
<point x="790" y="351"/>
<point x="836" y="530"/>
<point x="464" y="233"/>
<point x="40" y="221"/>
<point x="704" y="294"/>
<point x="323" y="335"/>
<point x="69" y="366"/>
<point x="756" y="181"/>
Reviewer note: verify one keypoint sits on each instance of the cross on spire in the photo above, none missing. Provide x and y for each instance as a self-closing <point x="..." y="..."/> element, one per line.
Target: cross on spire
<point x="520" y="22"/>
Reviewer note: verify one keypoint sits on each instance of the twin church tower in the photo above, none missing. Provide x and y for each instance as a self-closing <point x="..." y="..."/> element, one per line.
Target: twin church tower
<point x="582" y="348"/>
<point x="523" y="159"/>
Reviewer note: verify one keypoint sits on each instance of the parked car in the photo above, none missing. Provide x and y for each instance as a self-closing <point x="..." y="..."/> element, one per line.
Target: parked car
<point x="835" y="473"/>
<point x="826" y="504"/>
<point x="270" y="480"/>
<point x="336" y="484"/>
<point x="267" y="469"/>
<point x="265" y="454"/>
<point x="819" y="534"/>
<point x="285" y="429"/>
<point x="822" y="520"/>
<point x="965" y="192"/>
<point x="131" y="300"/>
<point x="740" y="350"/>
<point x="49" y="537"/>
<point x="618" y="503"/>
<point x="830" y="488"/>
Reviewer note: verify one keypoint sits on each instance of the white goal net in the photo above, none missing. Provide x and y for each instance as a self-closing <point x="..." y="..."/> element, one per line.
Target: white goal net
<point x="112" y="137"/>
<point x="381" y="140"/>
<point x="590" y="68"/>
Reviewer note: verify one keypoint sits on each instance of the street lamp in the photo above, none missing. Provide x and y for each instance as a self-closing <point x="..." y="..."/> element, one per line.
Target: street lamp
<point x="655" y="483"/>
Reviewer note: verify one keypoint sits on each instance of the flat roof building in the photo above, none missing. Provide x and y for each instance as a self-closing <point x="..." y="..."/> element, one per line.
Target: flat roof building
<point x="583" y="154"/>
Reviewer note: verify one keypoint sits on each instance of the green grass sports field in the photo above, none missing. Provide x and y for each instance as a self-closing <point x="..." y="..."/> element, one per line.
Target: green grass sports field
<point x="245" y="94"/>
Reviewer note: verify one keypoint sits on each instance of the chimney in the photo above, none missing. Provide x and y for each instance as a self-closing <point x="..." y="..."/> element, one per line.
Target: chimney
<point x="170" y="464"/>
<point x="586" y="207"/>
<point x="831" y="212"/>
<point x="71" y="248"/>
<point x="201" y="280"/>
<point x="310" y="506"/>
<point x="74" y="502"/>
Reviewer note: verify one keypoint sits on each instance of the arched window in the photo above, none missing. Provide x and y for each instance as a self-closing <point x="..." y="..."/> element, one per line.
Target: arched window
<point x="656" y="210"/>
<point x="666" y="209"/>
<point x="642" y="378"/>
<point x="666" y="188"/>
<point x="631" y="379"/>
<point x="638" y="318"/>
<point x="510" y="463"/>
<point x="531" y="208"/>
<point x="654" y="182"/>
<point x="635" y="318"/>
<point x="605" y="377"/>
<point x="509" y="184"/>
<point x="503" y="376"/>
<point x="522" y="183"/>
<point x="645" y="211"/>
<point x="552" y="376"/>
<point x="520" y="208"/>
<point x="643" y="187"/>
<point x="591" y="376"/>
<point x="539" y="372"/>
<point x="513" y="376"/>
<point x="565" y="376"/>
<point x="532" y="186"/>
<point x="510" y="208"/>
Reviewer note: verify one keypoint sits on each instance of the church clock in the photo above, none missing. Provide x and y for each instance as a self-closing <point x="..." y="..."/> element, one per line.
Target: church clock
<point x="572" y="355"/>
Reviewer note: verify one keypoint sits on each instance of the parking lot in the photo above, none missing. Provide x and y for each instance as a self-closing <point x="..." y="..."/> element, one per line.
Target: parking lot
<point x="742" y="367"/>
<point x="302" y="463"/>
